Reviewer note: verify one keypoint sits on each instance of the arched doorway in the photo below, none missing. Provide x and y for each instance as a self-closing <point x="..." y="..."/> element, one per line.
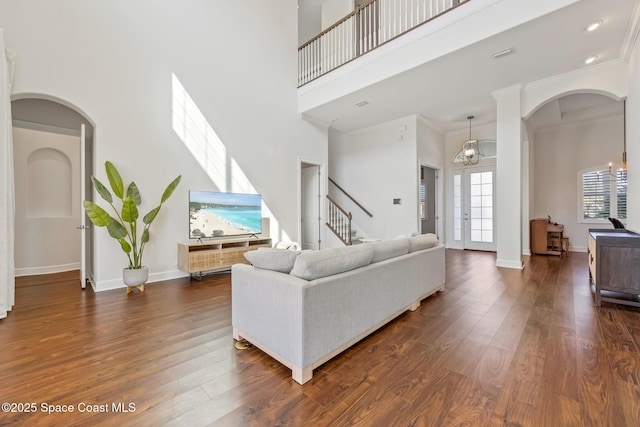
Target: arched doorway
<point x="53" y="163"/>
<point x="572" y="136"/>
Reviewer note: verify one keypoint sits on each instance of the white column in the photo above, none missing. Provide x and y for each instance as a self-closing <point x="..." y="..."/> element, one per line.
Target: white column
<point x="7" y="196"/>
<point x="527" y="189"/>
<point x="509" y="177"/>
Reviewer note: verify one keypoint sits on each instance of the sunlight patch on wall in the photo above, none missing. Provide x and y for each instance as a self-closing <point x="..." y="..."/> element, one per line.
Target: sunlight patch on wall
<point x="205" y="145"/>
<point x="198" y="136"/>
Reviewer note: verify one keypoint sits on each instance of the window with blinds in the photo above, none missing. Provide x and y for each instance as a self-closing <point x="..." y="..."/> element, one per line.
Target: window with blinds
<point x="423" y="201"/>
<point x="621" y="194"/>
<point x="596" y="195"/>
<point x="603" y="195"/>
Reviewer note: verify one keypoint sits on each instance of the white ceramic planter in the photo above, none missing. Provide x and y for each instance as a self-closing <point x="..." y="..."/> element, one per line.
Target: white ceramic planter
<point x="135" y="277"/>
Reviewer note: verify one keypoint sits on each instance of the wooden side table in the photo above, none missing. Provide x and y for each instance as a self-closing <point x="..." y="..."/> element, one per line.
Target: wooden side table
<point x="546" y="238"/>
<point x="565" y="245"/>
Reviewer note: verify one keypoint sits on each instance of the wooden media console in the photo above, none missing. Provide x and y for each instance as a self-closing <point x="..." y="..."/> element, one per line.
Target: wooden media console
<point x="217" y="254"/>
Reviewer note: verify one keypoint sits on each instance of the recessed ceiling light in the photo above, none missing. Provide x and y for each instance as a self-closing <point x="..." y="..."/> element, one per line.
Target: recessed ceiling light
<point x="593" y="26"/>
<point x="590" y="59"/>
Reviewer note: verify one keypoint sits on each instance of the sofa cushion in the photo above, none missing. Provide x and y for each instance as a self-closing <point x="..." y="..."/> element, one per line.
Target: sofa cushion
<point x="389" y="249"/>
<point x="281" y="260"/>
<point x="422" y="241"/>
<point x="326" y="262"/>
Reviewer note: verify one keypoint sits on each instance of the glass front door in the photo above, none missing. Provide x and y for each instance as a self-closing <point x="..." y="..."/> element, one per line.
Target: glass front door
<point x="474" y="208"/>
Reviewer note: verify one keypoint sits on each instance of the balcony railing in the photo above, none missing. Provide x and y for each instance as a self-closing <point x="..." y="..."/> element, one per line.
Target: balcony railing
<point x="369" y="26"/>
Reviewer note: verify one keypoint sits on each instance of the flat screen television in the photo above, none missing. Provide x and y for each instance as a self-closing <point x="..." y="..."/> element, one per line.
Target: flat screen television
<point x="216" y="214"/>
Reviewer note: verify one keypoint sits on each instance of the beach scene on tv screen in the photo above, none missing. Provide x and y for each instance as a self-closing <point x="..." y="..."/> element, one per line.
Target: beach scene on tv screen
<point x="224" y="214"/>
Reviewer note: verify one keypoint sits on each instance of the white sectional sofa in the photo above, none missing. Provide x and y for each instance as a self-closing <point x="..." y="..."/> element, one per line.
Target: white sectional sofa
<point x="305" y="308"/>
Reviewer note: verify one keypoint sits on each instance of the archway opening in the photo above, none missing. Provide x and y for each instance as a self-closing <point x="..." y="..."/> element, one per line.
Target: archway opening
<point x="49" y="147"/>
<point x="571" y="135"/>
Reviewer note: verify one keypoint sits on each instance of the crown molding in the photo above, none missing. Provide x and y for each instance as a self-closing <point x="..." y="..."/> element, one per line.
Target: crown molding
<point x="570" y="75"/>
<point x="517" y="88"/>
<point x="431" y="125"/>
<point x="315" y="121"/>
<point x="632" y="35"/>
<point x="402" y="121"/>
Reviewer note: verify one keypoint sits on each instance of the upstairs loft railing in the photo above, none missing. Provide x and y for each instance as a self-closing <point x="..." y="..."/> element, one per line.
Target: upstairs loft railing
<point x="366" y="28"/>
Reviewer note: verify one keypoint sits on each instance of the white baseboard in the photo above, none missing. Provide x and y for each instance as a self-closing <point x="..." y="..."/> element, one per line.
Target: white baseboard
<point x="108" y="285"/>
<point x="519" y="265"/>
<point x="50" y="269"/>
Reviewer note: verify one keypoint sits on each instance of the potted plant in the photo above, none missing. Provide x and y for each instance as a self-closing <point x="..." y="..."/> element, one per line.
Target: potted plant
<point x="124" y="226"/>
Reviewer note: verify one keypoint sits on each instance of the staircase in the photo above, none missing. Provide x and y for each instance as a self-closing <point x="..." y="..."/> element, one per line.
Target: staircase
<point x="340" y="221"/>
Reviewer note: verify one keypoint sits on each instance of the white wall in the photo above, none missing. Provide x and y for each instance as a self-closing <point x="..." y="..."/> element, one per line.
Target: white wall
<point x="431" y="145"/>
<point x="633" y="141"/>
<point x="334" y="10"/>
<point x="559" y="155"/>
<point x="309" y="21"/>
<point x="528" y="185"/>
<point x="432" y="153"/>
<point x="376" y="165"/>
<point x="47" y="180"/>
<point x="115" y="60"/>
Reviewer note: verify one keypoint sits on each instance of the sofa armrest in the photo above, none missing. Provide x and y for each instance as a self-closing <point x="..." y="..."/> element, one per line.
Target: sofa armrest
<point x="267" y="306"/>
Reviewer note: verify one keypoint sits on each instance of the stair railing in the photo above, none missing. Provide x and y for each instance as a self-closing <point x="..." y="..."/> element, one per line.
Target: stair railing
<point x="339" y="221"/>
<point x="351" y="198"/>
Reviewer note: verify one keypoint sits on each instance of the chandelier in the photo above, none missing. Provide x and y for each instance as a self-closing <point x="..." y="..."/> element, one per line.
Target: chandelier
<point x="470" y="149"/>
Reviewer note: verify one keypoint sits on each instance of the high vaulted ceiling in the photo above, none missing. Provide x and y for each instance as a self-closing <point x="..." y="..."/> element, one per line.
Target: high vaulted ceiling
<point x="448" y="89"/>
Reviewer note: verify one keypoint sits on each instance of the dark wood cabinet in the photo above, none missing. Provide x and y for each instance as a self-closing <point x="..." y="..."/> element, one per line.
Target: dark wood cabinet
<point x="614" y="265"/>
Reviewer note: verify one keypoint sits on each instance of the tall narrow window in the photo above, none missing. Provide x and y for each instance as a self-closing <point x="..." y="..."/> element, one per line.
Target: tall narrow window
<point x="596" y="195"/>
<point x="423" y="201"/>
<point x="621" y="194"/>
<point x="457" y="207"/>
<point x="481" y="186"/>
<point x="603" y="194"/>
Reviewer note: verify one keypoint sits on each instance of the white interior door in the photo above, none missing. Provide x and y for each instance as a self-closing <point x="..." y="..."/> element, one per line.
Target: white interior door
<point x="311" y="218"/>
<point x="474" y="208"/>
<point x="83" y="217"/>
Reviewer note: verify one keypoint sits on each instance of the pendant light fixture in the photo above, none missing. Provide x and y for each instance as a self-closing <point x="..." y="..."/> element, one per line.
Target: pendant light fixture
<point x="470" y="150"/>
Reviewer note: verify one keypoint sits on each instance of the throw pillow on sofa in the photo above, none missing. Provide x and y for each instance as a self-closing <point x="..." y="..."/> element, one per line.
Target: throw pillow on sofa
<point x="326" y="262"/>
<point x="281" y="260"/>
<point x="422" y="241"/>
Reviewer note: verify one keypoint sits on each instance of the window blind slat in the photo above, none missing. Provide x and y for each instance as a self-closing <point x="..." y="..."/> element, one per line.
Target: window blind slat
<point x="621" y="193"/>
<point x="596" y="195"/>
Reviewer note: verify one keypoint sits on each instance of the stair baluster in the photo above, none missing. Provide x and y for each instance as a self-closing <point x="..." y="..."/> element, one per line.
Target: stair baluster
<point x="339" y="221"/>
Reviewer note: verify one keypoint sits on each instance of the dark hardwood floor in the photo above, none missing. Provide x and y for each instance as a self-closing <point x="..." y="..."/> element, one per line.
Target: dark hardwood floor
<point x="498" y="347"/>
